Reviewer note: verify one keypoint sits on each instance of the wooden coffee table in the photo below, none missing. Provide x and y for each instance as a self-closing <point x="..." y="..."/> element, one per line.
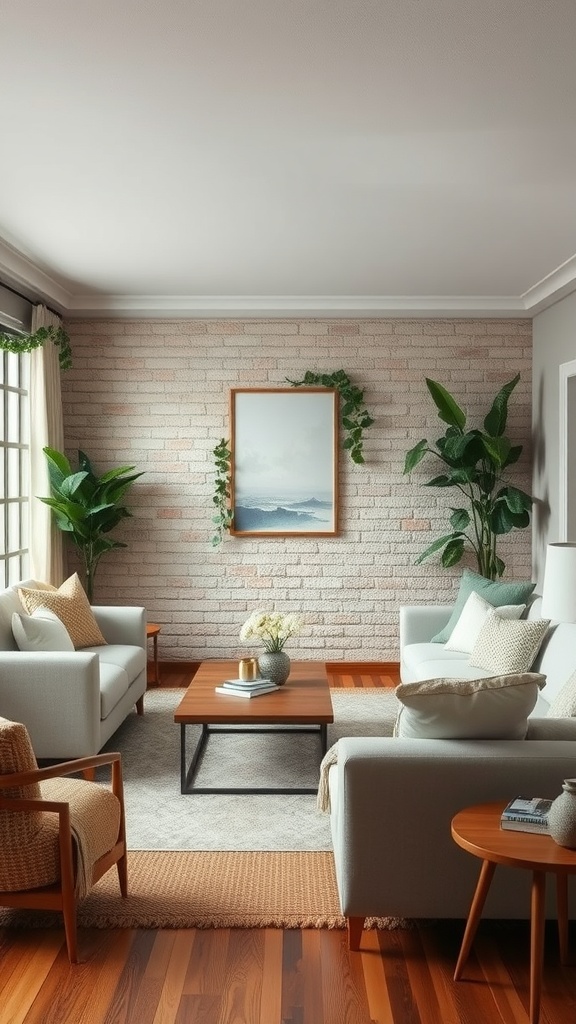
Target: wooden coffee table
<point x="477" y="830"/>
<point x="302" y="705"/>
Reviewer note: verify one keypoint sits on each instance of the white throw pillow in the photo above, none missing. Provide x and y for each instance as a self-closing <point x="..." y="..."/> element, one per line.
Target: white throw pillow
<point x="504" y="645"/>
<point x="41" y="631"/>
<point x="474" y="613"/>
<point x="495" y="708"/>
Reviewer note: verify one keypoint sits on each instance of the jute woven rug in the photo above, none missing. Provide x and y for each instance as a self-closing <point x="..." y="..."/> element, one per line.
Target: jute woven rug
<point x="212" y="890"/>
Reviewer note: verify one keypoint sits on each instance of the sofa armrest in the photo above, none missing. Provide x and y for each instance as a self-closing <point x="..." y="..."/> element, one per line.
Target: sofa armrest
<point x="392" y="802"/>
<point x="420" y="622"/>
<point x="56" y="694"/>
<point x="122" y="625"/>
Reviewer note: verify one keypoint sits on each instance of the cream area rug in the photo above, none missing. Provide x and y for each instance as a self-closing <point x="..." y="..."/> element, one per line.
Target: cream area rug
<point x="159" y="817"/>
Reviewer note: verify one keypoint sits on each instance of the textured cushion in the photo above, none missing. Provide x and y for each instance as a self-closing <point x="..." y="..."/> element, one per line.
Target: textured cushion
<point x="17" y="828"/>
<point x="71" y="606"/>
<point x="41" y="631"/>
<point x="564" y="703"/>
<point x="465" y="632"/>
<point x="504" y="645"/>
<point x="495" y="707"/>
<point x="497" y="593"/>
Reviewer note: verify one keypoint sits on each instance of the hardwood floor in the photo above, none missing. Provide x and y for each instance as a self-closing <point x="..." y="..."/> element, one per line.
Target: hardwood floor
<point x="270" y="976"/>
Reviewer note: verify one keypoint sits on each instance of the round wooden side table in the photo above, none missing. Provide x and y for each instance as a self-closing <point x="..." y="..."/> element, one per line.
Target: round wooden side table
<point x="477" y="830"/>
<point x="152" y="630"/>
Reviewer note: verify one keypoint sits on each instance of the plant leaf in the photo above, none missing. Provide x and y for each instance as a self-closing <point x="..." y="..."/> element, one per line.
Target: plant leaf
<point x="452" y="553"/>
<point x="495" y="421"/>
<point x="415" y="455"/>
<point x="460" y="519"/>
<point x="448" y="409"/>
<point x="434" y="546"/>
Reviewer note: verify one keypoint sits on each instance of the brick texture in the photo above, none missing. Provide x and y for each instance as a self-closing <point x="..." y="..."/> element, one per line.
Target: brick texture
<point x="156" y="394"/>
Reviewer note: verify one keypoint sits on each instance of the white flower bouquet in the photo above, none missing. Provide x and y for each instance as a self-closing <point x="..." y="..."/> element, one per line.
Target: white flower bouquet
<point x="272" y="629"/>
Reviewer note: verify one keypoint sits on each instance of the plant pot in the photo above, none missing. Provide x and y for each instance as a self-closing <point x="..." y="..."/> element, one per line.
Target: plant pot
<point x="274" y="665"/>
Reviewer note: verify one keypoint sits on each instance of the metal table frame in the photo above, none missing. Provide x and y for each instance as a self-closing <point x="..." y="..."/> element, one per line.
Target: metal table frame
<point x="187" y="774"/>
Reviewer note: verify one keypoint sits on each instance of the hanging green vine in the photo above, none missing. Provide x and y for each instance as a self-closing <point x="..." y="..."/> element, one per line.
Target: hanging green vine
<point x="354" y="414"/>
<point x="28" y="342"/>
<point x="355" y="420"/>
<point x="223" y="518"/>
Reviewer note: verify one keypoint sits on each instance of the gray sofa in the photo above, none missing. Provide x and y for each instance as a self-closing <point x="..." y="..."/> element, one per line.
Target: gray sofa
<point x="392" y="800"/>
<point x="72" y="702"/>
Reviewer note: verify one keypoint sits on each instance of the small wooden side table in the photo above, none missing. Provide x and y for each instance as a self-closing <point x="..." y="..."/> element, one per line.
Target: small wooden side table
<point x="152" y="630"/>
<point x="477" y="830"/>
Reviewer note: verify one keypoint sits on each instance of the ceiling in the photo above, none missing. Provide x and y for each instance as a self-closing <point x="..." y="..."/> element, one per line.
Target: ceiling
<point x="197" y="157"/>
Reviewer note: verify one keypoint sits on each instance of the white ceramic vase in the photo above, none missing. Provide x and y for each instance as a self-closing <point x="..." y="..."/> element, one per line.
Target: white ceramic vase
<point x="274" y="665"/>
<point x="562" y="816"/>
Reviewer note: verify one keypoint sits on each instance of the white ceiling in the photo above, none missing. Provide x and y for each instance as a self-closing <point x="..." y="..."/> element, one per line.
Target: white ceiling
<point x="197" y="156"/>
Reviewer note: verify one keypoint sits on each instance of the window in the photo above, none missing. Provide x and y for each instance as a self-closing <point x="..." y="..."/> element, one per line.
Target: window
<point x="14" y="467"/>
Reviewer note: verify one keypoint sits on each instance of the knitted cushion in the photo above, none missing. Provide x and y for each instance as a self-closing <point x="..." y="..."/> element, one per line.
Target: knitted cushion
<point x="506" y="645"/>
<point x="564" y="703"/>
<point x="71" y="606"/>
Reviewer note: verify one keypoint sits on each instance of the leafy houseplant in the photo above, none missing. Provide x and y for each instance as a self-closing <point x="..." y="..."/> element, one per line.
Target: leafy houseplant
<point x="475" y="462"/>
<point x="87" y="507"/>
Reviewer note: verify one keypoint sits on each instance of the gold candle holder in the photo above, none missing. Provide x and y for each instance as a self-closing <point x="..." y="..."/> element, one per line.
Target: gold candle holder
<point x="248" y="669"/>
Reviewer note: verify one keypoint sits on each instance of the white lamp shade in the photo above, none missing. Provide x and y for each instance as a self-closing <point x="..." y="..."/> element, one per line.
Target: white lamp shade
<point x="559" y="589"/>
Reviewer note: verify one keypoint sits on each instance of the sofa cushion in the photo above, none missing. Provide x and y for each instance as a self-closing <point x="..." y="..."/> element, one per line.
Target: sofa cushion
<point x="128" y="657"/>
<point x="505" y="645"/>
<point x="430" y="661"/>
<point x="474" y="614"/>
<point x="497" y="593"/>
<point x="71" y="606"/>
<point x="114" y="683"/>
<point x="41" y="631"/>
<point x="494" y="707"/>
<point x="9" y="604"/>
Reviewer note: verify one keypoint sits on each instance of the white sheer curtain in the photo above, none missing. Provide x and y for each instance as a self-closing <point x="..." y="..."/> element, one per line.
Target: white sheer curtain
<point x="46" y="428"/>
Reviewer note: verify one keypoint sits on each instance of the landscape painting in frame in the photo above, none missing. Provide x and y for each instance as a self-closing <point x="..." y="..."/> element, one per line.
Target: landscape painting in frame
<point x="284" y="461"/>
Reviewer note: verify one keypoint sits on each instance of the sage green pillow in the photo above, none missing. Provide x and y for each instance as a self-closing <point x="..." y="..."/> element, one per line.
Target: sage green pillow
<point x="496" y="593"/>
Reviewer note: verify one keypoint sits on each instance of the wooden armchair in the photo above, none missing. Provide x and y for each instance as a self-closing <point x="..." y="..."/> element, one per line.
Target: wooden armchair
<point x="58" y="835"/>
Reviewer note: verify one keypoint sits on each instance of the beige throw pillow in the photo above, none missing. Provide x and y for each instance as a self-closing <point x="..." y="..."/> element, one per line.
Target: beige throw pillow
<point x="496" y="707"/>
<point x="564" y="703"/>
<point x="505" y="645"/>
<point x="71" y="606"/>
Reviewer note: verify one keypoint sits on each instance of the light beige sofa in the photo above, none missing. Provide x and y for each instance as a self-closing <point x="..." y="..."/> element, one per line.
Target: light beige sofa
<point x="392" y="800"/>
<point x="71" y="702"/>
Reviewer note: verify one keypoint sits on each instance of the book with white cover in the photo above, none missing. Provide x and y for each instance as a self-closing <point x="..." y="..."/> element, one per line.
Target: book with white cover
<point x="527" y="814"/>
<point x="237" y="691"/>
<point x="246" y="684"/>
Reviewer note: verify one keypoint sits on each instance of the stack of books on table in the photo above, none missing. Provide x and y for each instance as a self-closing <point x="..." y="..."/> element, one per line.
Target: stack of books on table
<point x="527" y="814"/>
<point x="246" y="688"/>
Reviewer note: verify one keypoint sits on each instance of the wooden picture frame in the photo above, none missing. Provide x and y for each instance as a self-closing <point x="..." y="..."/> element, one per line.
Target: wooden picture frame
<point x="284" y="467"/>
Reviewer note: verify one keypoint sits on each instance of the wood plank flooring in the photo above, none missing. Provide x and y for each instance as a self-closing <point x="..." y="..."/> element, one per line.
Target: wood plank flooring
<point x="270" y="976"/>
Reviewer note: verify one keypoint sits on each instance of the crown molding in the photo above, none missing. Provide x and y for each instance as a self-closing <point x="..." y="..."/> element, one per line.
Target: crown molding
<point x="552" y="288"/>
<point x="269" y="306"/>
<point x="25" y="276"/>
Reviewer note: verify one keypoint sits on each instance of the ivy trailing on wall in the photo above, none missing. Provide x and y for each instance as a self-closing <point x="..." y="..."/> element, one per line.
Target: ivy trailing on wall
<point x="223" y="518"/>
<point x="353" y="413"/>
<point x="355" y="419"/>
<point x="29" y="342"/>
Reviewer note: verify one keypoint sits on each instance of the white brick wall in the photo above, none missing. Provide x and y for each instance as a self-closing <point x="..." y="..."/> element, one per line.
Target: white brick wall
<point x="156" y="394"/>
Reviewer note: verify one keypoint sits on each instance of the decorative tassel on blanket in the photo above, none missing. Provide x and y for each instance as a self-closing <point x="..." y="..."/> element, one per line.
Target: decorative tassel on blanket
<point x="323" y="797"/>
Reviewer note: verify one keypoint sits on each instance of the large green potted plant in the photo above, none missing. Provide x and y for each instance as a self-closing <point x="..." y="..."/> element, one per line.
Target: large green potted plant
<point x="474" y="463"/>
<point x="87" y="507"/>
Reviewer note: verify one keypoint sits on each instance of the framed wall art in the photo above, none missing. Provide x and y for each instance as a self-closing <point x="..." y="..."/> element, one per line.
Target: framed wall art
<point x="284" y="469"/>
